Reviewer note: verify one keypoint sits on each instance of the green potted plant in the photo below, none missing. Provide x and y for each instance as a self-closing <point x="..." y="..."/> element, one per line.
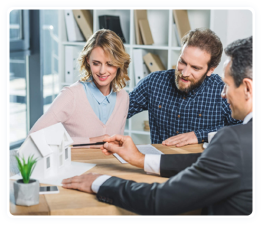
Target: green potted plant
<point x="26" y="190"/>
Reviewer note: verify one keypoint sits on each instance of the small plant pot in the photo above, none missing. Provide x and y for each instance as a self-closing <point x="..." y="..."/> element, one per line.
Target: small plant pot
<point x="26" y="194"/>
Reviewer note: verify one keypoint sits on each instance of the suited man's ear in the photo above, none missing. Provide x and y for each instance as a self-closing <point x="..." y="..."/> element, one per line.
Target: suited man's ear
<point x="248" y="88"/>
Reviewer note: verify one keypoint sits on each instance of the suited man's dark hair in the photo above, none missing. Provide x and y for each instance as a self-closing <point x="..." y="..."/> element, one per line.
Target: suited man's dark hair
<point x="240" y="52"/>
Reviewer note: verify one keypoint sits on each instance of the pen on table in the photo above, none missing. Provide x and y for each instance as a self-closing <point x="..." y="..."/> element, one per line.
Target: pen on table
<point x="96" y="143"/>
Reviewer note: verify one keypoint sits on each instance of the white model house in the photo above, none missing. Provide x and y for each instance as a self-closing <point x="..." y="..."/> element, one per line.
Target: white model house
<point x="51" y="146"/>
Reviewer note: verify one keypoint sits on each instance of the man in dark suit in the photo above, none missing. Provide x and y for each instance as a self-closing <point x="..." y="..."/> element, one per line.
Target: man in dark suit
<point x="219" y="180"/>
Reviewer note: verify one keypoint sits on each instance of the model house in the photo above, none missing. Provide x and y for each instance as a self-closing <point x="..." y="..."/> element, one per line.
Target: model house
<point x="51" y="146"/>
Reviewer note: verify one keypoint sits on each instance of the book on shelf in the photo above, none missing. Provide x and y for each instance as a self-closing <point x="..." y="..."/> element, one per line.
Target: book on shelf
<point x="153" y="62"/>
<point x="182" y="22"/>
<point x="84" y="20"/>
<point x="71" y="70"/>
<point x="176" y="36"/>
<point x="145" y="32"/>
<point x="140" y="67"/>
<point x="72" y="29"/>
<point x="112" y="23"/>
<point x="139" y="15"/>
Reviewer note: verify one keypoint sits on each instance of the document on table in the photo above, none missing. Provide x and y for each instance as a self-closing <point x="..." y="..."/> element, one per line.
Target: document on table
<point x="145" y="149"/>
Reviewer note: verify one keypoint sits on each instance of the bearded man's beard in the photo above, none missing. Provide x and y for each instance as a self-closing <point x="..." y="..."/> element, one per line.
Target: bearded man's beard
<point x="193" y="83"/>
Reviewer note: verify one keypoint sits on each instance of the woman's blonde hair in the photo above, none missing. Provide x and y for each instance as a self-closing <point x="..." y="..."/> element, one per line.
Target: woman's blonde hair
<point x="113" y="45"/>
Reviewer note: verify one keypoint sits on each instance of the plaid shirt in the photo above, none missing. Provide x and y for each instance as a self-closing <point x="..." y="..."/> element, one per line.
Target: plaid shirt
<point x="172" y="112"/>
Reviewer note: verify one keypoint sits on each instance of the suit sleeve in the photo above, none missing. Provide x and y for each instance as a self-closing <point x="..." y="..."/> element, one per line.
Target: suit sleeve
<point x="214" y="177"/>
<point x="171" y="165"/>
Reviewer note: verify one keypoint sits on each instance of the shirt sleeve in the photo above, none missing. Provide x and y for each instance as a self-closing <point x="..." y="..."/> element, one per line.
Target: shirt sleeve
<point x="138" y="98"/>
<point x="202" y="134"/>
<point x="98" y="182"/>
<point x="152" y="164"/>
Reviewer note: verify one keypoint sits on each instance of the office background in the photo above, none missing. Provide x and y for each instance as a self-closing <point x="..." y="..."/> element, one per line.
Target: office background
<point x="38" y="39"/>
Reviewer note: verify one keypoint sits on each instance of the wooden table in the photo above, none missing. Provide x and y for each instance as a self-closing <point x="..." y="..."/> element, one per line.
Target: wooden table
<point x="73" y="202"/>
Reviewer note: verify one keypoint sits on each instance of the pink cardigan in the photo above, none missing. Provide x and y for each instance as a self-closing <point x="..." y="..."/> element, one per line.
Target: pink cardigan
<point x="72" y="109"/>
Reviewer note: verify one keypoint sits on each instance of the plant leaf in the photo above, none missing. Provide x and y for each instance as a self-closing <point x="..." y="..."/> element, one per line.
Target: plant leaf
<point x="26" y="169"/>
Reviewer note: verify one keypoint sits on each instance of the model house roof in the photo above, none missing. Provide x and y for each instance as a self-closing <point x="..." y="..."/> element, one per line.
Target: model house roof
<point x="52" y="135"/>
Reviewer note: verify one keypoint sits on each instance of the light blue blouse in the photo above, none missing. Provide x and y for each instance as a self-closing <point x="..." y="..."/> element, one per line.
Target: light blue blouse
<point x="103" y="106"/>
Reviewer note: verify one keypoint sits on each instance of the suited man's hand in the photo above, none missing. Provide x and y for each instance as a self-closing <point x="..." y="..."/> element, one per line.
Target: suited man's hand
<point x="181" y="139"/>
<point x="124" y="147"/>
<point x="97" y="139"/>
<point x="81" y="183"/>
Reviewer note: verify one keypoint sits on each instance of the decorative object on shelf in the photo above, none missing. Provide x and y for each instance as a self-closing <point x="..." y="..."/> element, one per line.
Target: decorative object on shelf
<point x="84" y="20"/>
<point x="146" y="32"/>
<point x="142" y="28"/>
<point x="153" y="62"/>
<point x="141" y="70"/>
<point x="72" y="29"/>
<point x="26" y="190"/>
<point x="112" y="23"/>
<point x="146" y="125"/>
<point x="182" y="22"/>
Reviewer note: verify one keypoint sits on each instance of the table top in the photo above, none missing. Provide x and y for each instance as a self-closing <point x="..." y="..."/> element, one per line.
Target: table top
<point x="73" y="202"/>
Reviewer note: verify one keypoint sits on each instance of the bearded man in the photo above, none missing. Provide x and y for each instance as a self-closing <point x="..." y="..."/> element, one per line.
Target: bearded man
<point x="185" y="104"/>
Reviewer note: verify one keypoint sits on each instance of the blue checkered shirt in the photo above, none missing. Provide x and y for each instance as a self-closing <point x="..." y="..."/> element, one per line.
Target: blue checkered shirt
<point x="172" y="112"/>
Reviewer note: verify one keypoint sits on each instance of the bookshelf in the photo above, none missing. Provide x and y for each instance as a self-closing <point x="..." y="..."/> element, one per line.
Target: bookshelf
<point x="161" y="25"/>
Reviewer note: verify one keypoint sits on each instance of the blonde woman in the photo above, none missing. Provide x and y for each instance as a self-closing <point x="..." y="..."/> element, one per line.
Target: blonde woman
<point x="97" y="105"/>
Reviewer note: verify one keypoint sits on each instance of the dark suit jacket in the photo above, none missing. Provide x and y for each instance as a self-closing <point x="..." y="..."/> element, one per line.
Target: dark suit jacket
<point x="219" y="180"/>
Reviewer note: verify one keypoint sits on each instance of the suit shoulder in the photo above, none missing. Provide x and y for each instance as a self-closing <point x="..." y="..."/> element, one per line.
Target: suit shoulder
<point x="235" y="131"/>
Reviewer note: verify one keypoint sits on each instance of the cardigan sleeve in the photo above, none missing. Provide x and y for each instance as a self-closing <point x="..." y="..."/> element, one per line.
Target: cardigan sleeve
<point x="126" y="112"/>
<point x="60" y="110"/>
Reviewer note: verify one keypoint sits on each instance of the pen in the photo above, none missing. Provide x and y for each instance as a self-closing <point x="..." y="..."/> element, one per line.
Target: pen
<point x="97" y="143"/>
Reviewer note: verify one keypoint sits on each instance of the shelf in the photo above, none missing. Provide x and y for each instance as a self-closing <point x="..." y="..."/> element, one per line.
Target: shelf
<point x="161" y="25"/>
<point x="75" y="43"/>
<point x="176" y="48"/>
<point x="151" y="47"/>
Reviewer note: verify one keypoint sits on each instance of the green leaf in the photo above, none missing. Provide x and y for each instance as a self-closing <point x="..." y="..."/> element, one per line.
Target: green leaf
<point x="26" y="169"/>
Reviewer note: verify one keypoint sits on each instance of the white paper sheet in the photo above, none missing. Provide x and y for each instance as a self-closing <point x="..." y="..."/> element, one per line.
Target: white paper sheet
<point x="75" y="169"/>
<point x="145" y="149"/>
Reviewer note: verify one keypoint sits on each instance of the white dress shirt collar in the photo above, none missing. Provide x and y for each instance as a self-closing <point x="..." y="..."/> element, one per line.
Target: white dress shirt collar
<point x="248" y="117"/>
